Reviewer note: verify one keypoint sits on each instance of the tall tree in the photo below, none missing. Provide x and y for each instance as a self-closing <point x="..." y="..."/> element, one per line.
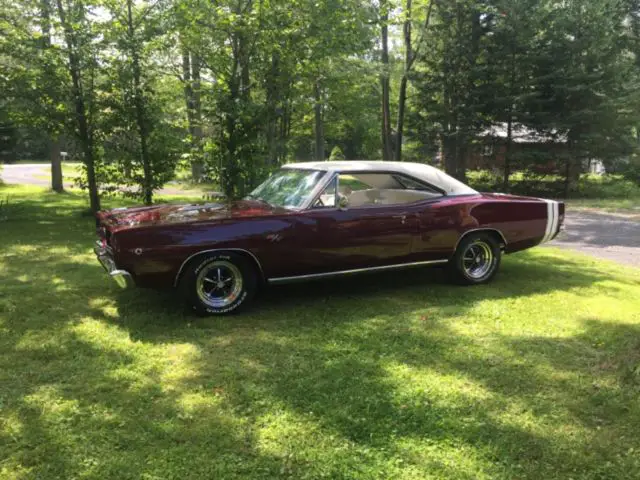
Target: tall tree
<point x="387" y="139"/>
<point x="53" y="140"/>
<point x="584" y="81"/>
<point x="410" y="55"/>
<point x="78" y="36"/>
<point x="447" y="82"/>
<point x="35" y="80"/>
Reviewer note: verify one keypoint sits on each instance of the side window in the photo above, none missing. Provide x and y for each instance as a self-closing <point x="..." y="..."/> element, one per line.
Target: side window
<point x="411" y="184"/>
<point x="371" y="189"/>
<point x="328" y="197"/>
<point x="349" y="184"/>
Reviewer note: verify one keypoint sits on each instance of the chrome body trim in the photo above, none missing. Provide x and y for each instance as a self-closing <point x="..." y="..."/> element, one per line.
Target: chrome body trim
<point x="317" y="276"/>
<point x="122" y="278"/>
<point x="488" y="229"/>
<point x="175" y="281"/>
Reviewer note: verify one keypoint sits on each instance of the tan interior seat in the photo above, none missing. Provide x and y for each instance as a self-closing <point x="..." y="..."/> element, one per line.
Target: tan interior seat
<point x="375" y="196"/>
<point x="360" y="198"/>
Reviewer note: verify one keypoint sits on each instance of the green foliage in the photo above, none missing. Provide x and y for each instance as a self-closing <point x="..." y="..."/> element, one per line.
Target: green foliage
<point x="631" y="170"/>
<point x="336" y="154"/>
<point x="239" y="87"/>
<point x="588" y="186"/>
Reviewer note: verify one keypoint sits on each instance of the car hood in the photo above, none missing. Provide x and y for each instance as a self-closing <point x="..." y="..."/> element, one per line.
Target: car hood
<point x="123" y="218"/>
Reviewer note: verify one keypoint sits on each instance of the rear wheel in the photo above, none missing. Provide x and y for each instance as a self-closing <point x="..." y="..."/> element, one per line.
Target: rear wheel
<point x="219" y="283"/>
<point x="476" y="259"/>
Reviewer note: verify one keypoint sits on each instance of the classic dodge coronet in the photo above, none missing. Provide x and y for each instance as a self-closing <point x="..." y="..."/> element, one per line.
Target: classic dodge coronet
<point x="316" y="220"/>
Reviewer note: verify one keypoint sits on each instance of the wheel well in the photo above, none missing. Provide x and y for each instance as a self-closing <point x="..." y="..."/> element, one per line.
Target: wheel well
<point x="496" y="234"/>
<point x="250" y="257"/>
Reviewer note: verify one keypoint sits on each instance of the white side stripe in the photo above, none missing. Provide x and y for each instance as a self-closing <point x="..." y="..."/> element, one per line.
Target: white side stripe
<point x="553" y="217"/>
<point x="549" y="221"/>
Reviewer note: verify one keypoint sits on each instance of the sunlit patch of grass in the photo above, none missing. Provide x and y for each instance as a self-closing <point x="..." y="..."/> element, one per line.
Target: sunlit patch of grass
<point x="402" y="375"/>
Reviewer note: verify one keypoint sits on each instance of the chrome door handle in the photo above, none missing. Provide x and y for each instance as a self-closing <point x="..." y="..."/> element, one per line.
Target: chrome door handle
<point x="403" y="218"/>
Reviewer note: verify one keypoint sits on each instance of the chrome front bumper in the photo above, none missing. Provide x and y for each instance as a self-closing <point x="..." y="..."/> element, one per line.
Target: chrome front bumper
<point x="121" y="277"/>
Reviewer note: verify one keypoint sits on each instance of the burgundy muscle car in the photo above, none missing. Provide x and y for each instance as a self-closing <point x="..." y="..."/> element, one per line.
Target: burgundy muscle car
<point x="318" y="220"/>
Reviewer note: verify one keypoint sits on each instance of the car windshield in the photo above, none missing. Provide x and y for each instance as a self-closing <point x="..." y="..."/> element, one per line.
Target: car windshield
<point x="288" y="188"/>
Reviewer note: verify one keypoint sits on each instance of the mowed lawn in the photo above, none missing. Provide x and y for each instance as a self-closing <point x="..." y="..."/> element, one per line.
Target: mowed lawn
<point x="399" y="376"/>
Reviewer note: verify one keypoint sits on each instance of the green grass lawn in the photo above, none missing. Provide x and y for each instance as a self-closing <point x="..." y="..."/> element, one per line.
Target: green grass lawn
<point x="608" y="193"/>
<point x="630" y="206"/>
<point x="399" y="376"/>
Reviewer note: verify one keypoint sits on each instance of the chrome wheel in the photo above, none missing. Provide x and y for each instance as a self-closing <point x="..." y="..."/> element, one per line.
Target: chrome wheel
<point x="219" y="284"/>
<point x="477" y="260"/>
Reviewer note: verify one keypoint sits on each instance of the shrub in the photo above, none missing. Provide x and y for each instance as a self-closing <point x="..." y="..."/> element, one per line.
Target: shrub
<point x="336" y="154"/>
<point x="631" y="171"/>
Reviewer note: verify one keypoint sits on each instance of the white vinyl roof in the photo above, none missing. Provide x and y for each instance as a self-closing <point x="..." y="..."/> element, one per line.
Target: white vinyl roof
<point x="419" y="171"/>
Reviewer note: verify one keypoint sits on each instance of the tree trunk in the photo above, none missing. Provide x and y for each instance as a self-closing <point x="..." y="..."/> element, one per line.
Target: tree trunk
<point x="229" y="170"/>
<point x="512" y="100"/>
<point x="507" y="153"/>
<point x="462" y="150"/>
<point x="197" y="165"/>
<point x="188" y="100"/>
<point x="84" y="135"/>
<point x="319" y="126"/>
<point x="402" y="98"/>
<point x="400" y="125"/>
<point x="272" y="90"/>
<point x="56" y="165"/>
<point x="387" y="148"/>
<point x="285" y="125"/>
<point x="53" y="144"/>
<point x="449" y="154"/>
<point x="192" y="101"/>
<point x="141" y="120"/>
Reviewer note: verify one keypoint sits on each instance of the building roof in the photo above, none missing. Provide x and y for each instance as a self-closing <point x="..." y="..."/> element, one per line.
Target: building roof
<point x="420" y="171"/>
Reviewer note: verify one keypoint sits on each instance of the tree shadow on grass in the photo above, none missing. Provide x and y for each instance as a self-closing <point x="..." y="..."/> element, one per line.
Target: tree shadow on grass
<point x="328" y="352"/>
<point x="519" y="407"/>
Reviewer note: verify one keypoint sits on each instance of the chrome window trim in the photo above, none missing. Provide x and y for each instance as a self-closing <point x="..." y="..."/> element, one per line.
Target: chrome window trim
<point x="315" y="194"/>
<point x="314" y="276"/>
<point x="175" y="281"/>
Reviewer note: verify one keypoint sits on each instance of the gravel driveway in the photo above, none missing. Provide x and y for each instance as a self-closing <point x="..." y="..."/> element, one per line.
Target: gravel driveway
<point x="601" y="235"/>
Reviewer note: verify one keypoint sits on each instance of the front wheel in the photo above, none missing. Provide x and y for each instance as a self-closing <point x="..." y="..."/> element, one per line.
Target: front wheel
<point x="476" y="259"/>
<point x="218" y="284"/>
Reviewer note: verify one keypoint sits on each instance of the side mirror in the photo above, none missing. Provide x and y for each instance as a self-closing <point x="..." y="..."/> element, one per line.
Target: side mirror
<point x="343" y="202"/>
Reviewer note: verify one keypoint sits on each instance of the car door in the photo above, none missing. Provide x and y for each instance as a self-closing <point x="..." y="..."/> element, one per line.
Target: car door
<point x="354" y="238"/>
<point x="329" y="237"/>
